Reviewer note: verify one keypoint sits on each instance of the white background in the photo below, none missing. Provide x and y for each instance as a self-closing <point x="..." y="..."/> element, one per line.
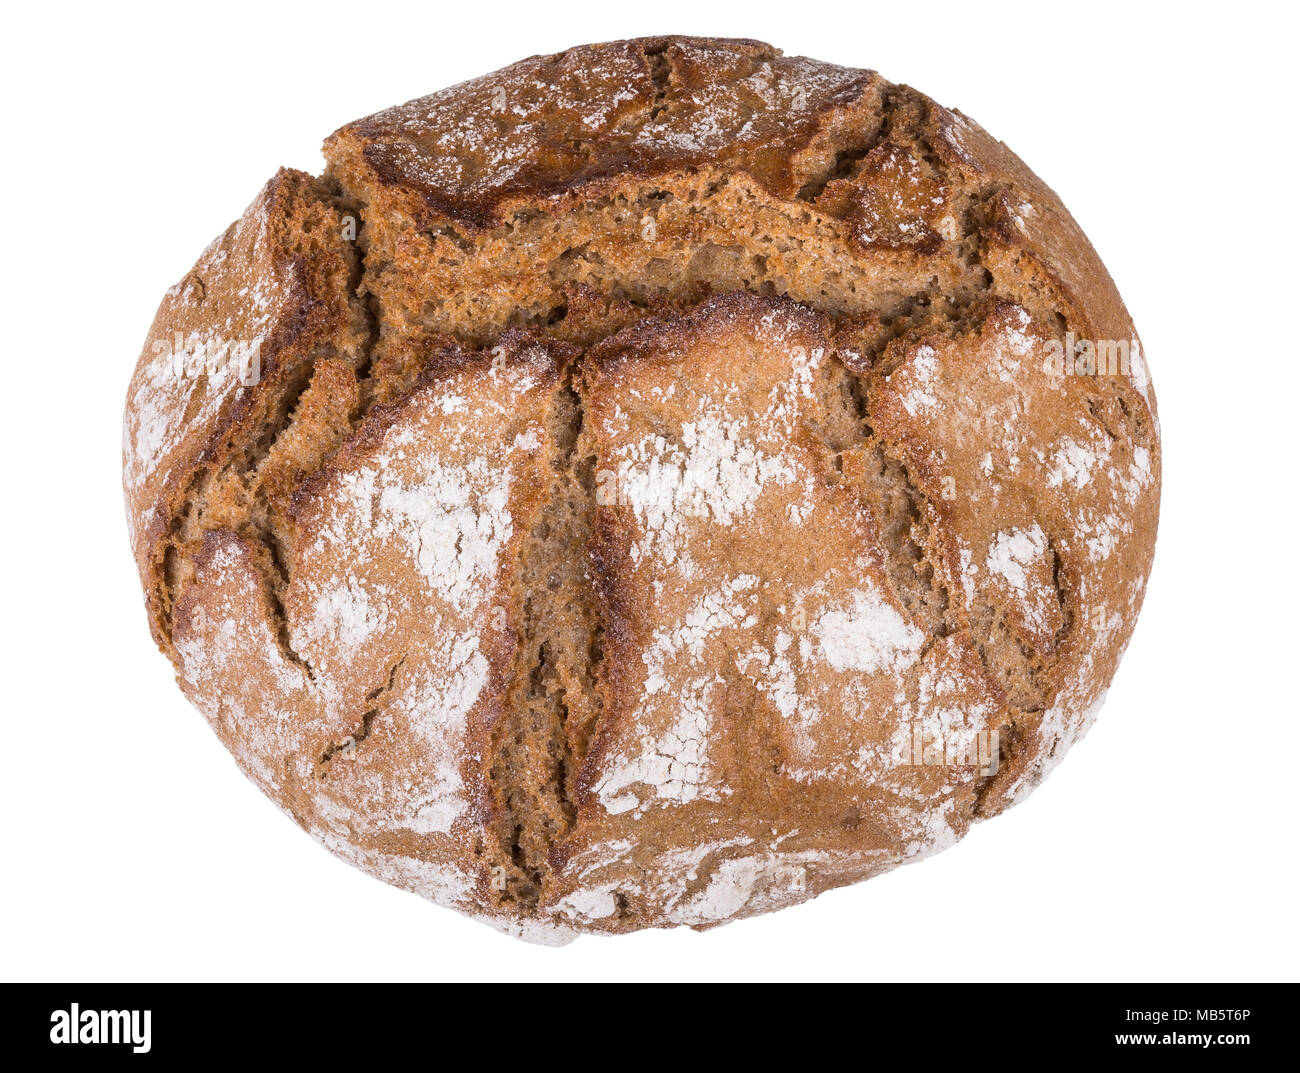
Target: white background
<point x="1164" y="848"/>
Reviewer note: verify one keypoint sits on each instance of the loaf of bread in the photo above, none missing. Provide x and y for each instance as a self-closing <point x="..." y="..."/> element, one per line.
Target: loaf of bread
<point x="652" y="484"/>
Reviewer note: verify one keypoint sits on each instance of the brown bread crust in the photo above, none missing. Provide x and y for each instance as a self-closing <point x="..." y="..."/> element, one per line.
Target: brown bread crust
<point x="576" y="504"/>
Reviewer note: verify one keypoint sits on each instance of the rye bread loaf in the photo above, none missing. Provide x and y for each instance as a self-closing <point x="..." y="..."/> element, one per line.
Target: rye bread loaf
<point x="651" y="484"/>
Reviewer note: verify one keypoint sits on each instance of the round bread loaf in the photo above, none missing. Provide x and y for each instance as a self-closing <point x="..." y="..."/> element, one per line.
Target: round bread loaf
<point x="649" y="485"/>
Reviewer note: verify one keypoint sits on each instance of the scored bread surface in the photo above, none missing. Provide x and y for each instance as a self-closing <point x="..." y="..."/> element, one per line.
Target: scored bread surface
<point x="648" y="446"/>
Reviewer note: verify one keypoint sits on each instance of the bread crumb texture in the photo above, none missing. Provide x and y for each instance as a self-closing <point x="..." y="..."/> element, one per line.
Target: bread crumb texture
<point x="632" y="488"/>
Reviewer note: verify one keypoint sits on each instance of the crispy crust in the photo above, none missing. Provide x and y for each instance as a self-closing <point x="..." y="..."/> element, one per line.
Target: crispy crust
<point x="659" y="378"/>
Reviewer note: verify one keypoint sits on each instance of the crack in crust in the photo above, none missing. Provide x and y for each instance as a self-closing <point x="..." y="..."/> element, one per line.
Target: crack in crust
<point x="346" y="745"/>
<point x="539" y="744"/>
<point x="905" y="514"/>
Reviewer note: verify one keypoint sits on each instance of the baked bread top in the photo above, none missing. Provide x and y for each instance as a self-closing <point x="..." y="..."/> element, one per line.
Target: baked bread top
<point x="586" y="501"/>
